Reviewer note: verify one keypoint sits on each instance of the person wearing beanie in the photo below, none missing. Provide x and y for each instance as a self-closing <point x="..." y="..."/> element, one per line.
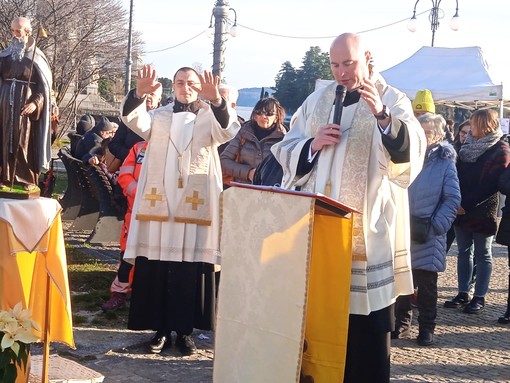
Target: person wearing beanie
<point x="90" y="149"/>
<point x="83" y="127"/>
<point x="86" y="123"/>
<point x="423" y="103"/>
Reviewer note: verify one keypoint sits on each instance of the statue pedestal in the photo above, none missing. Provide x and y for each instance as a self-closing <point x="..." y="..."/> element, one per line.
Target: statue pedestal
<point x="17" y="192"/>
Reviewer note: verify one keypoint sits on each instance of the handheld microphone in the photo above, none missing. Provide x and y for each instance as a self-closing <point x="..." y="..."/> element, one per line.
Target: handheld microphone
<point x="341" y="91"/>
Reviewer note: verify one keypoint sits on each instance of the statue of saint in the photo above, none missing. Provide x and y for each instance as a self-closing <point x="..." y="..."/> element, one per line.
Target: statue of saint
<point x="25" y="109"/>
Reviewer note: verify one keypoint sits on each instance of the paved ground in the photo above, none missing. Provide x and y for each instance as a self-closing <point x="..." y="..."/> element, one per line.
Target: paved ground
<point x="467" y="348"/>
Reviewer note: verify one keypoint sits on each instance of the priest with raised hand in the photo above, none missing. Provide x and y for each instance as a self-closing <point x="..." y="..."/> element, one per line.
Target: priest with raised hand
<point x="366" y="161"/>
<point x="174" y="236"/>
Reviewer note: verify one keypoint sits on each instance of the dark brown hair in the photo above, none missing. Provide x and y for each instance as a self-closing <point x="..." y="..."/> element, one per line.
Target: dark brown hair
<point x="185" y="69"/>
<point x="269" y="105"/>
<point x="457" y="136"/>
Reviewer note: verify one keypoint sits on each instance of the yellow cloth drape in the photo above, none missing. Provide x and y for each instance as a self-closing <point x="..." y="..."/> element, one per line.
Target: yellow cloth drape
<point x="25" y="276"/>
<point x="327" y="310"/>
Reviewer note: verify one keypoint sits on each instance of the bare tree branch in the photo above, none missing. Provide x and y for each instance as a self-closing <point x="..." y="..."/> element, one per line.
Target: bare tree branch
<point x="83" y="46"/>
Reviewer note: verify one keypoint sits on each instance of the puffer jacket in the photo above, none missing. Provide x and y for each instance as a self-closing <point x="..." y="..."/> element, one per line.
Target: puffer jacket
<point x="128" y="180"/>
<point x="251" y="154"/>
<point x="435" y="191"/>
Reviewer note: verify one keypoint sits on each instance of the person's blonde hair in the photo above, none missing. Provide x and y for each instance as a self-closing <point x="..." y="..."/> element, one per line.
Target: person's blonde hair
<point x="486" y="120"/>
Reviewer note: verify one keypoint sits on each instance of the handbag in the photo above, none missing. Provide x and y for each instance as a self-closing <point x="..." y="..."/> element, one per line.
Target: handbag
<point x="227" y="178"/>
<point x="420" y="228"/>
<point x="269" y="172"/>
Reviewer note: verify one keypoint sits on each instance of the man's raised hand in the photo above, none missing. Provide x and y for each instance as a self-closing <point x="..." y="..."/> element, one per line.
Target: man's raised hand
<point x="209" y="86"/>
<point x="146" y="82"/>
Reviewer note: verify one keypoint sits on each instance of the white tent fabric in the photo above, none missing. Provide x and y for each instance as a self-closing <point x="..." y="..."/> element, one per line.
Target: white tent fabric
<point x="455" y="76"/>
<point x="451" y="74"/>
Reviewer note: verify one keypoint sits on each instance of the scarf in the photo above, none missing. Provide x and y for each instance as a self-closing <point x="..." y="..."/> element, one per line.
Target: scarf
<point x="262" y="133"/>
<point x="475" y="147"/>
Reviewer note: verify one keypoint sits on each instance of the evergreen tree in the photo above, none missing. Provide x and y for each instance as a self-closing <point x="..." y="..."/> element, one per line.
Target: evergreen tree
<point x="315" y="66"/>
<point x="166" y="83"/>
<point x="293" y="86"/>
<point x="286" y="87"/>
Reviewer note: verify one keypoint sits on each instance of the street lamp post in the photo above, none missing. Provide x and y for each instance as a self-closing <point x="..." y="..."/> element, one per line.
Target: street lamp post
<point x="127" y="80"/>
<point x="435" y="15"/>
<point x="220" y="14"/>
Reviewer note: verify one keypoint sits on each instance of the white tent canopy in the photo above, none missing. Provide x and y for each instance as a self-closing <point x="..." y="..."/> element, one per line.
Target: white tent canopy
<point x="455" y="76"/>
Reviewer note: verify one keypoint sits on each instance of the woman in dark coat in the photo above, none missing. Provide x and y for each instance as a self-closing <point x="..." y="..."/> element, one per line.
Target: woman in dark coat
<point x="435" y="193"/>
<point x="503" y="235"/>
<point x="482" y="159"/>
<point x="253" y="142"/>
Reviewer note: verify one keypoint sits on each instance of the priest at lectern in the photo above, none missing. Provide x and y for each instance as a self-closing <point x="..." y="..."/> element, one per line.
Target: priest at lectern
<point x="364" y="152"/>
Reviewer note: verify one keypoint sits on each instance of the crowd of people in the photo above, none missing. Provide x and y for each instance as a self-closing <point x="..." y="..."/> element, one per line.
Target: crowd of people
<point x="394" y="161"/>
<point x="165" y="283"/>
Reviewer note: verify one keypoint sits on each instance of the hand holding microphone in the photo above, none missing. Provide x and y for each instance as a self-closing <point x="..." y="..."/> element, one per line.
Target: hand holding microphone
<point x="341" y="91"/>
<point x="330" y="134"/>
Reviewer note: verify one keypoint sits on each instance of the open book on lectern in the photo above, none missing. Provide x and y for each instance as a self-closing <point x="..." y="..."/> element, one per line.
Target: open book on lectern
<point x="325" y="205"/>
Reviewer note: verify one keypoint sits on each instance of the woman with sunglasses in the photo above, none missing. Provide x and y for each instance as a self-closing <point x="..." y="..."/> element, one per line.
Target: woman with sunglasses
<point x="253" y="142"/>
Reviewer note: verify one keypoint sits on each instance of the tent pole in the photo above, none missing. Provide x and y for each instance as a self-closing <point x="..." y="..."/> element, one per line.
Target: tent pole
<point x="501" y="102"/>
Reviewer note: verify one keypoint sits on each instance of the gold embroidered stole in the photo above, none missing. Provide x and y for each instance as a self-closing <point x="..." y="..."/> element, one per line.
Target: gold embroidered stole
<point x="153" y="205"/>
<point x="320" y="117"/>
<point x="355" y="164"/>
<point x="195" y="206"/>
<point x="353" y="188"/>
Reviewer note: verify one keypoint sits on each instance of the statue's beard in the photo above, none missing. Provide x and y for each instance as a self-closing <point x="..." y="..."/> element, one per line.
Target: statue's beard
<point x="17" y="49"/>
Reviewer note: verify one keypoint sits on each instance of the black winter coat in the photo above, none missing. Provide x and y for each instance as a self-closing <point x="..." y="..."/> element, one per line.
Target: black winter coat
<point x="479" y="183"/>
<point x="123" y="141"/>
<point x="503" y="234"/>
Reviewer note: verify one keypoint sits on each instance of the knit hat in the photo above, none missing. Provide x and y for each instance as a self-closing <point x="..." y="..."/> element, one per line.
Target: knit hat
<point x="104" y="125"/>
<point x="423" y="102"/>
<point x="82" y="127"/>
<point x="86" y="123"/>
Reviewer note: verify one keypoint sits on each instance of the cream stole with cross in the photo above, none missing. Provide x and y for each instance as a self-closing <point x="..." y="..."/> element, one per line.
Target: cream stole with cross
<point x="194" y="206"/>
<point x="153" y="205"/>
<point x="351" y="188"/>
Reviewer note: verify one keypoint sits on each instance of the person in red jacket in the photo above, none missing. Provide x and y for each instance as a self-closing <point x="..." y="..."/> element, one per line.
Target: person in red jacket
<point x="128" y="180"/>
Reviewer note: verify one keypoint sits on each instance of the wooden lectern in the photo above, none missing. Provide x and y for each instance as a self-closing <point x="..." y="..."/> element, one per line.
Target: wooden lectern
<point x="283" y="305"/>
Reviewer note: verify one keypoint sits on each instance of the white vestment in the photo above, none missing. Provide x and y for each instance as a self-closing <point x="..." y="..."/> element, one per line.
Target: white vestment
<point x="383" y="271"/>
<point x="196" y="137"/>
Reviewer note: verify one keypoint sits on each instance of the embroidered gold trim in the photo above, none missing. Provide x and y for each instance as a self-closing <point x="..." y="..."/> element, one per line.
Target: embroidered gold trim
<point x="193" y="220"/>
<point x="149" y="217"/>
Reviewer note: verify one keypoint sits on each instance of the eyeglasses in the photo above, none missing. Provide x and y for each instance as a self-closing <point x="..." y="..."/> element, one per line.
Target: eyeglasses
<point x="262" y="113"/>
<point x="180" y="84"/>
